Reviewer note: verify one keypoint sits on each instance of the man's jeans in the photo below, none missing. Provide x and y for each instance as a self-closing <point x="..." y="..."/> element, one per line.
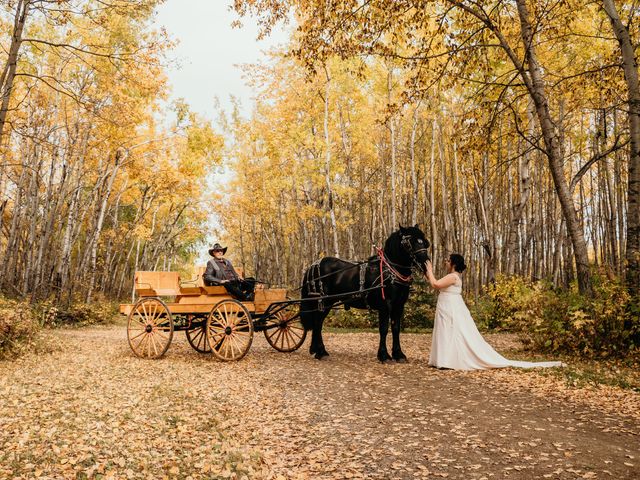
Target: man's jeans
<point x="241" y="289"/>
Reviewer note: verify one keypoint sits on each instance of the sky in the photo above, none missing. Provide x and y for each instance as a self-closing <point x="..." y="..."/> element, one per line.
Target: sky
<point x="205" y="64"/>
<point x="210" y="51"/>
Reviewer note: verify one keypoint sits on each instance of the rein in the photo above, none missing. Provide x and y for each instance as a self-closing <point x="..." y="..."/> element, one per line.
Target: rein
<point x="383" y="262"/>
<point x="353" y="265"/>
<point x="395" y="273"/>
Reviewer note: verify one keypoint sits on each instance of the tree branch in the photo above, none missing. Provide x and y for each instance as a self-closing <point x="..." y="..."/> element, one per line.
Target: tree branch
<point x="585" y="168"/>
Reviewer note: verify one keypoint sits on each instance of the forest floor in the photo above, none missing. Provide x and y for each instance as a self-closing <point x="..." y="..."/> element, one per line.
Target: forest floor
<point x="90" y="409"/>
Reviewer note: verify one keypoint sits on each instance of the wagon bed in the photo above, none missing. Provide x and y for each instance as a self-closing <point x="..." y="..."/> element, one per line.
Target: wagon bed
<point x="214" y="322"/>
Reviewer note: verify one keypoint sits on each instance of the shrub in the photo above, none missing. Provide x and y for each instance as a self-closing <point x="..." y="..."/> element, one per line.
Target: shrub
<point x="18" y="327"/>
<point x="553" y="320"/>
<point x="482" y="311"/>
<point x="77" y="314"/>
<point x="511" y="301"/>
<point x="420" y="309"/>
<point x="352" y="318"/>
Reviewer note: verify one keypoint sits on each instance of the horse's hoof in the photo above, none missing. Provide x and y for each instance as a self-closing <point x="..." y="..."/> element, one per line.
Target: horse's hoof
<point x="386" y="361"/>
<point x="385" y="358"/>
<point x="401" y="360"/>
<point x="321" y="355"/>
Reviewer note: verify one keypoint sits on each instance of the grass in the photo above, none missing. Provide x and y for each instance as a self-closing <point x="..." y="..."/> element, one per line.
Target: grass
<point x="584" y="372"/>
<point x="617" y="373"/>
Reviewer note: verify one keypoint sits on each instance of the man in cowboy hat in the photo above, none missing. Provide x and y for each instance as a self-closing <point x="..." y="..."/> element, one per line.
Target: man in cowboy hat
<point x="220" y="271"/>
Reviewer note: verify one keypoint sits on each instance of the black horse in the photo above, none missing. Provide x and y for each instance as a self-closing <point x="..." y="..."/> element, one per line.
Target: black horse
<point x="381" y="283"/>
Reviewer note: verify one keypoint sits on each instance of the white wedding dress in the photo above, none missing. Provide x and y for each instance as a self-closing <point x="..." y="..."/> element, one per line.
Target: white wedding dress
<point x="457" y="343"/>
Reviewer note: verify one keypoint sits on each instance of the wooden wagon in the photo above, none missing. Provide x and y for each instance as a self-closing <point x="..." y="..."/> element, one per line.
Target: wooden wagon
<point x="213" y="321"/>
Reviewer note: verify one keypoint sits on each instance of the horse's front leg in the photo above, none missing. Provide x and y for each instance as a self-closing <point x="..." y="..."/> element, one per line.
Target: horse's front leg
<point x="396" y="323"/>
<point x="383" y="319"/>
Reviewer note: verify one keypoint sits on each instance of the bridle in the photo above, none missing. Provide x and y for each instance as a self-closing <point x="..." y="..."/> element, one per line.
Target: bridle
<point x="406" y="244"/>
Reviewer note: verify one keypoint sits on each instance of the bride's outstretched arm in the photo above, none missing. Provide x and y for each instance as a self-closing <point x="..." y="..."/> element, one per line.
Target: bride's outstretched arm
<point x="444" y="282"/>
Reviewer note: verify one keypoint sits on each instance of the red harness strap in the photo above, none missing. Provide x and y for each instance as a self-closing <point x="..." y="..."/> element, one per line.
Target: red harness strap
<point x="403" y="278"/>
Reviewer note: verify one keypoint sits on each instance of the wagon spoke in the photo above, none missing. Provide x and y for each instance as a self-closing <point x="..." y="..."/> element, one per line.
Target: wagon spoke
<point x="294" y="331"/>
<point x="144" y="309"/>
<point x="277" y="335"/>
<point x="153" y="309"/>
<point x="161" y="320"/>
<point x="155" y="343"/>
<point x="202" y="341"/>
<point x="215" y="338"/>
<point x="216" y="329"/>
<point x="136" y="336"/>
<point x="233" y="343"/>
<point x="240" y="337"/>
<point x="197" y="336"/>
<point x="243" y="343"/>
<point x="150" y="328"/>
<point x="289" y="334"/>
<point x="216" y="342"/>
<point x="229" y="330"/>
<point x="221" y="319"/>
<point x="147" y="346"/>
<point x="284" y="338"/>
<point x="151" y="344"/>
<point x="242" y="326"/>
<point x="137" y="316"/>
<point x="161" y="334"/>
<point x="141" y="340"/>
<point x="222" y="345"/>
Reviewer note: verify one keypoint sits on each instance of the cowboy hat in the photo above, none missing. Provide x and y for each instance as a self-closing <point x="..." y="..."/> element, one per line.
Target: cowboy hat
<point x="217" y="246"/>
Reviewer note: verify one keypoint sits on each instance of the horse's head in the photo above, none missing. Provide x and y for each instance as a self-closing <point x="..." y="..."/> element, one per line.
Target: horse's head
<point x="415" y="244"/>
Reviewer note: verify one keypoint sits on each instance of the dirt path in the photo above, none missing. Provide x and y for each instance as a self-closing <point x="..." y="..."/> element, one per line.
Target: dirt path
<point x="92" y="410"/>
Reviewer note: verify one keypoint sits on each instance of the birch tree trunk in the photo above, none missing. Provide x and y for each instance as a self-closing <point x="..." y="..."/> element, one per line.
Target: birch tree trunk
<point x="414" y="177"/>
<point x="392" y="145"/>
<point x="523" y="192"/>
<point x="96" y="234"/>
<point x="630" y="68"/>
<point x="556" y="162"/>
<point x="327" y="140"/>
<point x="9" y="72"/>
<point x="432" y="191"/>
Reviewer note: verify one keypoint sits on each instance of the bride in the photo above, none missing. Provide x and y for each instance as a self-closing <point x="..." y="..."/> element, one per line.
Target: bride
<point x="456" y="342"/>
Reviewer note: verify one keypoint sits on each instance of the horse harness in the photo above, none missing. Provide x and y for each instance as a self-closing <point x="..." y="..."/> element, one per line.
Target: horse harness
<point x="406" y="244"/>
<point x="388" y="275"/>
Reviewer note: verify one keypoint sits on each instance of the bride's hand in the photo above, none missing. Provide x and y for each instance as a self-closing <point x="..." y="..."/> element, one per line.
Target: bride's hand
<point x="429" y="267"/>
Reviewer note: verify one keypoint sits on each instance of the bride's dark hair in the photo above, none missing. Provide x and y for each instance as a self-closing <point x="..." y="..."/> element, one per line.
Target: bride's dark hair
<point x="457" y="261"/>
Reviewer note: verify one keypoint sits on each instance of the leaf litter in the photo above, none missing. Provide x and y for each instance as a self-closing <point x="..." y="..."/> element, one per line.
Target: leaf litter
<point x="89" y="409"/>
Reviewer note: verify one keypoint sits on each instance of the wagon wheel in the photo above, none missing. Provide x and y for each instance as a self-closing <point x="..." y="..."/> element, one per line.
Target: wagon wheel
<point x="229" y="330"/>
<point x="197" y="338"/>
<point x="149" y="328"/>
<point x="289" y="334"/>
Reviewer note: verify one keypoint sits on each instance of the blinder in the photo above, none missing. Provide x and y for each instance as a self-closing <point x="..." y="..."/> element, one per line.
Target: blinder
<point x="406" y="244"/>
